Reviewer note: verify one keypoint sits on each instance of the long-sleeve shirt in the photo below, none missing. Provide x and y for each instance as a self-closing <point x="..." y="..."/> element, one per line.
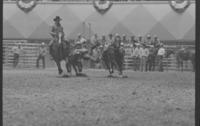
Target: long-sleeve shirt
<point x="133" y="52"/>
<point x="141" y="52"/>
<point x="42" y="51"/>
<point x="137" y="52"/>
<point x="146" y="52"/>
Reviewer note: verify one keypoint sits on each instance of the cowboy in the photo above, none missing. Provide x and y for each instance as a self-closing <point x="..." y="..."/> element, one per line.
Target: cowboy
<point x="117" y="41"/>
<point x="79" y="44"/>
<point x="17" y="50"/>
<point x="56" y="30"/>
<point x="137" y="56"/>
<point x="148" y="41"/>
<point x="125" y="40"/>
<point x="41" y="56"/>
<point x="142" y="57"/>
<point x="161" y="54"/>
<point x="140" y="40"/>
<point x="133" y="40"/>
<point x="146" y="55"/>
<point x="156" y="42"/>
<point x="133" y="55"/>
<point x="152" y="58"/>
<point x="95" y="39"/>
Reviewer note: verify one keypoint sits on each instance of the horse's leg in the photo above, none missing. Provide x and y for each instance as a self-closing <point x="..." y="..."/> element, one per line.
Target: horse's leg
<point x="60" y="71"/>
<point x="68" y="67"/>
<point x="80" y="66"/>
<point x="181" y="66"/>
<point x="75" y="69"/>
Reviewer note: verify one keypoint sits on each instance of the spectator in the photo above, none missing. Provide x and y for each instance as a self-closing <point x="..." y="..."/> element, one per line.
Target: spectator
<point x="137" y="57"/>
<point x="133" y="55"/>
<point x="124" y="40"/>
<point x="148" y="41"/>
<point x="156" y="42"/>
<point x="41" y="55"/>
<point x="95" y="39"/>
<point x="140" y="40"/>
<point x="142" y="58"/>
<point x="146" y="55"/>
<point x="152" y="58"/>
<point x="17" y="50"/>
<point x="161" y="53"/>
<point x="103" y="40"/>
<point x="117" y="41"/>
<point x="133" y="40"/>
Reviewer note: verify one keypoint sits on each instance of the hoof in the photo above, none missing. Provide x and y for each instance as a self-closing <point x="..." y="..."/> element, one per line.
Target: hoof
<point x="124" y="76"/>
<point x="65" y="75"/>
<point x="110" y="76"/>
<point x="60" y="72"/>
<point x="81" y="75"/>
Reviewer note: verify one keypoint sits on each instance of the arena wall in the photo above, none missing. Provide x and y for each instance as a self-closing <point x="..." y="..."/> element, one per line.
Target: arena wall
<point x="138" y="18"/>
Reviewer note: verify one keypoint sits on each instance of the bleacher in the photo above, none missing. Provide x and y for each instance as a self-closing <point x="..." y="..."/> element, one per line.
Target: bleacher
<point x="28" y="58"/>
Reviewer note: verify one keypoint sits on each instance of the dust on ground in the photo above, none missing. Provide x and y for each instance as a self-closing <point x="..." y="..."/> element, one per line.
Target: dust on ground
<point x="41" y="98"/>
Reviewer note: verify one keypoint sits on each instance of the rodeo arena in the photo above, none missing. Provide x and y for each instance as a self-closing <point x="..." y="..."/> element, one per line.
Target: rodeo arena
<point x="98" y="62"/>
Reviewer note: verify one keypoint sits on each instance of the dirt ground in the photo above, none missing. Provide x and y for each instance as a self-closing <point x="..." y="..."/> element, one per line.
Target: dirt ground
<point x="41" y="98"/>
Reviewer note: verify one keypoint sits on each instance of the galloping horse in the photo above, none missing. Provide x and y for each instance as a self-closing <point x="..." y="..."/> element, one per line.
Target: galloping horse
<point x="185" y="55"/>
<point x="113" y="57"/>
<point x="60" y="50"/>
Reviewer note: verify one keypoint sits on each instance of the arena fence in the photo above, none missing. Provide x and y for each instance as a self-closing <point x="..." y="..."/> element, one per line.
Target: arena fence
<point x="29" y="56"/>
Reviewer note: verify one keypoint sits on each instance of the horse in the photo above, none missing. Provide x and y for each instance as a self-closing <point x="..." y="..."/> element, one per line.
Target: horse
<point x="112" y="58"/>
<point x="60" y="50"/>
<point x="185" y="54"/>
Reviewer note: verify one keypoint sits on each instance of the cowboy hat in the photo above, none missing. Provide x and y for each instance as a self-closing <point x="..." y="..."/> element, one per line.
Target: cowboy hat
<point x="117" y="35"/>
<point x="57" y="18"/>
<point x="148" y="36"/>
<point x="137" y="44"/>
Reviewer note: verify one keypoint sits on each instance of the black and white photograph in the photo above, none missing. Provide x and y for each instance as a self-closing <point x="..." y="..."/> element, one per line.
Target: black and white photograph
<point x="99" y="62"/>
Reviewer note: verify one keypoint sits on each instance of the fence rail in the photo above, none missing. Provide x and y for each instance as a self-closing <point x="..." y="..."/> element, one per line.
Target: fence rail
<point x="29" y="57"/>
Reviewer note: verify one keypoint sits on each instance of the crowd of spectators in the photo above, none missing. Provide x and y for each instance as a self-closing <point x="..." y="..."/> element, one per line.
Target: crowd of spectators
<point x="147" y="52"/>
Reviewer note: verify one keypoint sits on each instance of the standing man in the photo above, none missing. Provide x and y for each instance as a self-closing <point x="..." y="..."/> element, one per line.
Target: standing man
<point x="95" y="40"/>
<point x="124" y="40"/>
<point x="152" y="58"/>
<point x="156" y="42"/>
<point x="57" y="30"/>
<point x="137" y="57"/>
<point x="148" y="41"/>
<point x="41" y="56"/>
<point x="133" y="56"/>
<point x="140" y="40"/>
<point x="133" y="40"/>
<point x="17" y="50"/>
<point x="146" y="55"/>
<point x="161" y="53"/>
<point x="142" y="58"/>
